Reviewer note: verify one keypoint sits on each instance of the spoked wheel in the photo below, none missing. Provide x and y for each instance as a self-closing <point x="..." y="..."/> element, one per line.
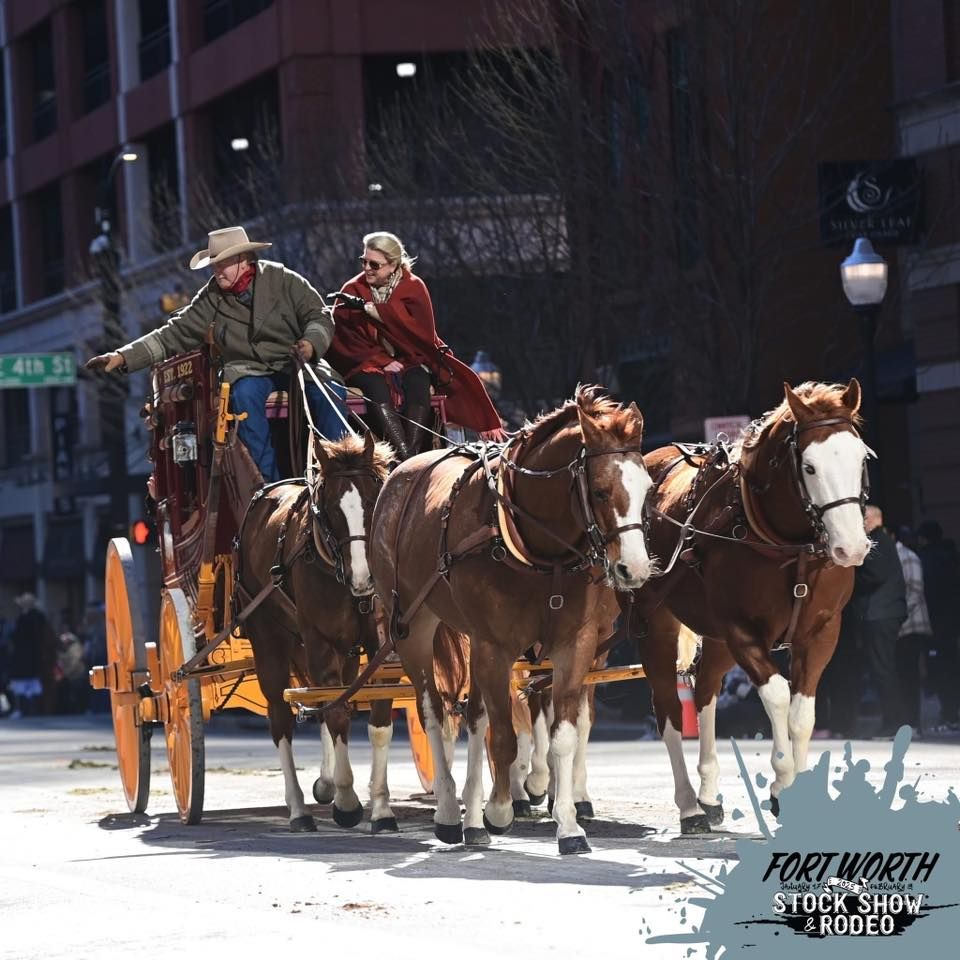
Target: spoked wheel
<point x="184" y="724"/>
<point x="420" y="747"/>
<point x="126" y="654"/>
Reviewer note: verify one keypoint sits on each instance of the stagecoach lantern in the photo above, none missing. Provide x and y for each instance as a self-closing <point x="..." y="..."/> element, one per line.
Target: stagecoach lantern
<point x="184" y="442"/>
<point x="864" y="275"/>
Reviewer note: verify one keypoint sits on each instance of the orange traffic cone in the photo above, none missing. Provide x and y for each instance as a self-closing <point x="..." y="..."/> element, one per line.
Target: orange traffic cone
<point x="688" y="717"/>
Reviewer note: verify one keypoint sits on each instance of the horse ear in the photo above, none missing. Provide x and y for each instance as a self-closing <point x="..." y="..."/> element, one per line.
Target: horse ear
<point x="634" y="410"/>
<point x="323" y="458"/>
<point x="798" y="408"/>
<point x="369" y="446"/>
<point x="851" y="396"/>
<point x="592" y="434"/>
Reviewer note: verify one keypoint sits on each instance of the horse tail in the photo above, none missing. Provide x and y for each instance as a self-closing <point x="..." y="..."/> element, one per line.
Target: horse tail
<point x="451" y="664"/>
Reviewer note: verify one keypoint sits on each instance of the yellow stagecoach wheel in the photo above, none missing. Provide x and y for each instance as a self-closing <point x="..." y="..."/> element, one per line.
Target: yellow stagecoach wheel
<point x="184" y="724"/>
<point x="420" y="747"/>
<point x="126" y="653"/>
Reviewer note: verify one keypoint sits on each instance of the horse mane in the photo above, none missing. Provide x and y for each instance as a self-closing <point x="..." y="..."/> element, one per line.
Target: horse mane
<point x="822" y="398"/>
<point x="611" y="416"/>
<point x="349" y="454"/>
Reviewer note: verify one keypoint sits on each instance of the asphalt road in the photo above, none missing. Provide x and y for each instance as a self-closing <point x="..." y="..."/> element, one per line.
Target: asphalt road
<point x="82" y="878"/>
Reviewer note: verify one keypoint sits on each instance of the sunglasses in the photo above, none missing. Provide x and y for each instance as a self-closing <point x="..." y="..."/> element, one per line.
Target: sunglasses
<point x="374" y="264"/>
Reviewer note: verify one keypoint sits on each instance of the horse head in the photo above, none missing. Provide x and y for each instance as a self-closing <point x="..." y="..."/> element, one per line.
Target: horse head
<point x="830" y="464"/>
<point x="613" y="487"/>
<point x="352" y="472"/>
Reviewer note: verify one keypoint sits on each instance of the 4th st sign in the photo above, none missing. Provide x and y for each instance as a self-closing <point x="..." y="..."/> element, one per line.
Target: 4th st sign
<point x="37" y="370"/>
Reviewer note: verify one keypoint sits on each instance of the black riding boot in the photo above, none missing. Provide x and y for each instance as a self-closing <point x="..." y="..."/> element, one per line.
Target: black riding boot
<point x="385" y="422"/>
<point x="417" y="414"/>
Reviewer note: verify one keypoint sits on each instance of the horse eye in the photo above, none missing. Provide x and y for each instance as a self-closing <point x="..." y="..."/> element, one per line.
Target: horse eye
<point x="809" y="469"/>
<point x="601" y="495"/>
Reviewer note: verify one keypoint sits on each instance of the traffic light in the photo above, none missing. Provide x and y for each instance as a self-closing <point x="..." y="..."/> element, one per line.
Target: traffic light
<point x="141" y="532"/>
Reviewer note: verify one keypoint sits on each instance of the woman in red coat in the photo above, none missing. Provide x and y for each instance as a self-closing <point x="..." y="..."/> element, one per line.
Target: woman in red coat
<point x="386" y="344"/>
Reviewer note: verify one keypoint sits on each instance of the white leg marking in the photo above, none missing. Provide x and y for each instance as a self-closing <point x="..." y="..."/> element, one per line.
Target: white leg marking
<point x="380" y="738"/>
<point x="580" y="757"/>
<point x="775" y="695"/>
<point x="292" y="793"/>
<point x="562" y="748"/>
<point x="352" y="508"/>
<point x="344" y="796"/>
<point x="520" y="766"/>
<point x="449" y="731"/>
<point x="802" y="715"/>
<point x="448" y="810"/>
<point x="709" y="765"/>
<point x="539" y="771"/>
<point x="473" y="785"/>
<point x="325" y="789"/>
<point x="683" y="793"/>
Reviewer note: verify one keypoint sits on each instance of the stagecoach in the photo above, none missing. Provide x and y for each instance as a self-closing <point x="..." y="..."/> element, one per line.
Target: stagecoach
<point x="199" y="661"/>
<point x="195" y="665"/>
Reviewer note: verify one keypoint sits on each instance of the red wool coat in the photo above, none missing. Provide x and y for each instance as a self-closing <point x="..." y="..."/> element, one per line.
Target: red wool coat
<point x="407" y="324"/>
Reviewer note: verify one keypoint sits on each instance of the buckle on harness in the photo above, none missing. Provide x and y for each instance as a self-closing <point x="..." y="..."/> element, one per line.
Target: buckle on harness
<point x="556" y="601"/>
<point x="365" y="605"/>
<point x="498" y="552"/>
<point x="800" y="590"/>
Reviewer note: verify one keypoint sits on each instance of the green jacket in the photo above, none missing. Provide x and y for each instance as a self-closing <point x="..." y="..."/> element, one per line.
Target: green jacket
<point x="285" y="308"/>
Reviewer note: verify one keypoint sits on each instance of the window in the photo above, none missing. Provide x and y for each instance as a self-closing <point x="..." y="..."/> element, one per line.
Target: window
<point x="16" y="425"/>
<point x="682" y="130"/>
<point x="154" y="45"/>
<point x="161" y="149"/>
<point x="44" y="91"/>
<point x="96" y="55"/>
<point x="245" y="181"/>
<point x="8" y="267"/>
<point x="50" y="217"/>
<point x="220" y="16"/>
<point x="3" y="108"/>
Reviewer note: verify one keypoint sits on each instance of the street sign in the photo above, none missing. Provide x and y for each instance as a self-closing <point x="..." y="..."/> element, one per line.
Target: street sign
<point x="37" y="370"/>
<point x="730" y="426"/>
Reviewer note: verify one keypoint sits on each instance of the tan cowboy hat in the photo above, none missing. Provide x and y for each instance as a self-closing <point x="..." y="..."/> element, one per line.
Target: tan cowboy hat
<point x="223" y="244"/>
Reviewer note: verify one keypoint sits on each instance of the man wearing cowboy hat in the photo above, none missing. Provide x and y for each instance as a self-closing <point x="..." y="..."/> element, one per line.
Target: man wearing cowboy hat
<point x="259" y="312"/>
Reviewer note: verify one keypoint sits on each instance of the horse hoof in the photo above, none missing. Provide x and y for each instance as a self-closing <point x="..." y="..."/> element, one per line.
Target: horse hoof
<point x="774" y="805"/>
<point x="322" y="792"/>
<point x="714" y="812"/>
<point x="304" y="824"/>
<point x="448" y="832"/>
<point x="521" y="808"/>
<point x="697" y="823"/>
<point x="536" y="798"/>
<point x="493" y="828"/>
<point x="584" y="809"/>
<point x="384" y="825"/>
<point x="573" y="845"/>
<point x="347" y="818"/>
<point x="476" y="837"/>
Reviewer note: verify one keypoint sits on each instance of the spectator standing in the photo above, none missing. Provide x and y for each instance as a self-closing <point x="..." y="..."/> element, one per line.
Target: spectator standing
<point x="916" y="633"/>
<point x="33" y="656"/>
<point x="941" y="578"/>
<point x="71" y="672"/>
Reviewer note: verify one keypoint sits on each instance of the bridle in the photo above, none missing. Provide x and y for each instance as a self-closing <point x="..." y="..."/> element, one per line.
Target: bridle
<point x="597" y="538"/>
<point x="814" y="511"/>
<point x="333" y="544"/>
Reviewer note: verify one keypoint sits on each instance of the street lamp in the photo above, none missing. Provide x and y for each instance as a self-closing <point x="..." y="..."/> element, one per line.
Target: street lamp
<point x="106" y="262"/>
<point x="864" y="275"/>
<point x="489" y="374"/>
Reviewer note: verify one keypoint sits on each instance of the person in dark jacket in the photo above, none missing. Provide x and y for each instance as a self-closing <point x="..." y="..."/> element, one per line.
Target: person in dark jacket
<point x="879" y="603"/>
<point x="941" y="582"/>
<point x="34" y="647"/>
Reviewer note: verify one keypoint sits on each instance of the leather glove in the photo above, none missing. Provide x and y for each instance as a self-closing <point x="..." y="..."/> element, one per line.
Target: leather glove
<point x="349" y="300"/>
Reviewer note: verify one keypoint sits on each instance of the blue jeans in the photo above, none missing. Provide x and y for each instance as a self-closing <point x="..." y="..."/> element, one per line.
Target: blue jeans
<point x="249" y="395"/>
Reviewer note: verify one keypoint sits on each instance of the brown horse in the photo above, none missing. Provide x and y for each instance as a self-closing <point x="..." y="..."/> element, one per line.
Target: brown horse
<point x="758" y="549"/>
<point x="317" y="620"/>
<point x="510" y="548"/>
